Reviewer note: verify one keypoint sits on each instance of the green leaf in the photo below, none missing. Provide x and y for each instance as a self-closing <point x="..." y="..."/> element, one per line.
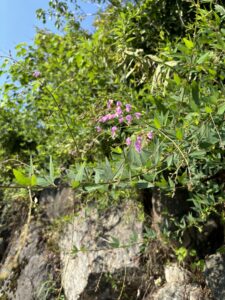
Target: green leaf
<point x="179" y="134"/>
<point x="108" y="170"/>
<point x="143" y="184"/>
<point x="33" y="180"/>
<point x="75" y="184"/>
<point x="21" y="178"/>
<point x="203" y="58"/>
<point x="157" y="123"/>
<point x="198" y="154"/>
<point x="51" y="169"/>
<point x="117" y="150"/>
<point x="176" y="78"/>
<point x="195" y="93"/>
<point x="189" y="44"/>
<point x="169" y="160"/>
<point x="208" y="110"/>
<point x="80" y="173"/>
<point x="41" y="181"/>
<point x="96" y="187"/>
<point x="220" y="9"/>
<point x="221" y="109"/>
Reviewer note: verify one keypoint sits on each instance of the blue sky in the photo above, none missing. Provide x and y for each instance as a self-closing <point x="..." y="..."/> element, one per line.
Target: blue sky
<point x="18" y="21"/>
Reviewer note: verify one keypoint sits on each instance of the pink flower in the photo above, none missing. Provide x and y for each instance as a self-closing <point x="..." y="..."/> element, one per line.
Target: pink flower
<point x="137" y="144"/>
<point x="119" y="111"/>
<point x="109" y="103"/>
<point x="137" y="115"/>
<point x="150" y="135"/>
<point x="107" y="117"/>
<point x="36" y="73"/>
<point x="121" y="120"/>
<point x="129" y="119"/>
<point x="128" y="141"/>
<point x="98" y="128"/>
<point x="111" y="116"/>
<point x="103" y="119"/>
<point x="118" y="103"/>
<point x="128" y="107"/>
<point x="113" y="131"/>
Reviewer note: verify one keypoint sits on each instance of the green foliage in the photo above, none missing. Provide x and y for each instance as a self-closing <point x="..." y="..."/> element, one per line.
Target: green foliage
<point x="164" y="58"/>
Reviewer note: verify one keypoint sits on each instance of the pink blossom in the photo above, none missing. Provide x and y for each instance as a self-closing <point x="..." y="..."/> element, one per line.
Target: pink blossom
<point x="137" y="115"/>
<point x="128" y="107"/>
<point x="119" y="111"/>
<point x="118" y="103"/>
<point x="109" y="103"/>
<point x="121" y="120"/>
<point x="128" y="141"/>
<point x="150" y="135"/>
<point x="111" y="116"/>
<point x="137" y="144"/>
<point x="103" y="119"/>
<point x="107" y="117"/>
<point x="98" y="128"/>
<point x="129" y="119"/>
<point x="113" y="131"/>
<point x="36" y="73"/>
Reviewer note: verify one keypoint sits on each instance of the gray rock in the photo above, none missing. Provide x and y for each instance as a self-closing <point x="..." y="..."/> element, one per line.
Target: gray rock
<point x="84" y="274"/>
<point x="32" y="273"/>
<point x="98" y="272"/>
<point x="177" y="291"/>
<point x="32" y="277"/>
<point x="215" y="275"/>
<point x="174" y="273"/>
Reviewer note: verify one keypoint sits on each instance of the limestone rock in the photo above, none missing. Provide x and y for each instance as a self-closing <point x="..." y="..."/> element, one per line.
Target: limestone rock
<point x="99" y="252"/>
<point x="176" y="291"/>
<point x="28" y="280"/>
<point x="86" y="274"/>
<point x="174" y="273"/>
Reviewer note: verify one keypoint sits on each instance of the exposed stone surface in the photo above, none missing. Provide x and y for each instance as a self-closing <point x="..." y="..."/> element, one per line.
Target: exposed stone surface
<point x="178" y="286"/>
<point x="174" y="273"/>
<point x="35" y="269"/>
<point x="85" y="273"/>
<point x="215" y="275"/>
<point x="177" y="291"/>
<point x="102" y="273"/>
<point x="28" y="280"/>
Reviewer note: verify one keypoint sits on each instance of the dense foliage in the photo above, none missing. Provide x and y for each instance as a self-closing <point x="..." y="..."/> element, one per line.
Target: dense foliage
<point x="140" y="102"/>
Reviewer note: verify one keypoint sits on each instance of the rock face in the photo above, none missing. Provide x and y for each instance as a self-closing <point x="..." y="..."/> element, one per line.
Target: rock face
<point x="100" y="270"/>
<point x="34" y="275"/>
<point x="215" y="275"/>
<point x="178" y="286"/>
<point x="86" y="273"/>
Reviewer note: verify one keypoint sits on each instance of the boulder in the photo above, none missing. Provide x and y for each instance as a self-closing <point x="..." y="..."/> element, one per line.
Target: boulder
<point x="174" y="273"/>
<point x="178" y="286"/>
<point x="177" y="291"/>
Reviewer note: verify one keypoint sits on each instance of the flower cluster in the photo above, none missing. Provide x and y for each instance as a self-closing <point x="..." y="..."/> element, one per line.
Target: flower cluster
<point x="119" y="114"/>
